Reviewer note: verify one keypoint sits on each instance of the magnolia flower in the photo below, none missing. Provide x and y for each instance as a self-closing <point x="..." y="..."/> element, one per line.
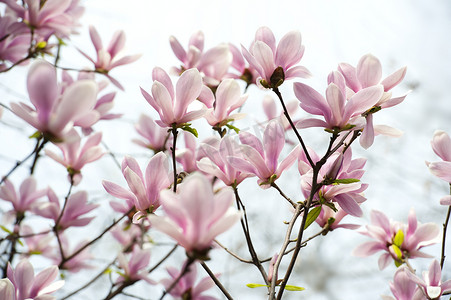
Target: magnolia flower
<point x="216" y="161"/>
<point x="399" y="241"/>
<point x="338" y="111"/>
<point x="76" y="157"/>
<point x="403" y="288"/>
<point x="368" y="73"/>
<point x="441" y="144"/>
<point x="53" y="114"/>
<point x="431" y="283"/>
<point x="23" y="284"/>
<point x="332" y="219"/>
<point x="195" y="215"/>
<point x="49" y="17"/>
<point x="25" y="199"/>
<point x="134" y="267"/>
<point x="144" y="190"/>
<point x="275" y="65"/>
<point x="76" y="263"/>
<point x="76" y="207"/>
<point x="185" y="287"/>
<point x="212" y="64"/>
<point x="262" y="159"/>
<point x="156" y="137"/>
<point x="109" y="58"/>
<point x="37" y="244"/>
<point x="14" y="40"/>
<point x="227" y="98"/>
<point x="127" y="234"/>
<point x="173" y="108"/>
<point x="337" y="167"/>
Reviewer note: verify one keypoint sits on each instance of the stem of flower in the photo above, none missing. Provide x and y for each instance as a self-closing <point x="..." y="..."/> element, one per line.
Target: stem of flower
<point x="216" y="281"/>
<point x="174" y="165"/>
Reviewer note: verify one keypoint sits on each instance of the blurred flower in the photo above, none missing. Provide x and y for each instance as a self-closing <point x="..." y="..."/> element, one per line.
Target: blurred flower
<point x="25" y="199"/>
<point x="403" y="288"/>
<point x="156" y="137"/>
<point x="76" y="157"/>
<point x="27" y="285"/>
<point x="441" y="144"/>
<point x="54" y="114"/>
<point x="194" y="215"/>
<point x="275" y="65"/>
<point x="134" y="267"/>
<point x="108" y="58"/>
<point x="245" y="71"/>
<point x="173" y="108"/>
<point x="185" y="287"/>
<point x="270" y="110"/>
<point x="14" y="42"/>
<point x="431" y="283"/>
<point x="399" y="241"/>
<point x="144" y="190"/>
<point x="212" y="64"/>
<point x="38" y="244"/>
<point x="77" y="206"/>
<point x="262" y="159"/>
<point x="368" y="73"/>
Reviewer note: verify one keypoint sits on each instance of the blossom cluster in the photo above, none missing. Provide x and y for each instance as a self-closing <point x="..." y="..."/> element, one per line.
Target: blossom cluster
<point x="189" y="194"/>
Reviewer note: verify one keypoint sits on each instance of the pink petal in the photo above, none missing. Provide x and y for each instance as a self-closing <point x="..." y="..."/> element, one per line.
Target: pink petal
<point x="43" y="279"/>
<point x="367" y="137"/>
<point x="369" y="71"/>
<point x="178" y="50"/>
<point x="197" y="40"/>
<point x="297" y="72"/>
<point x="158" y="74"/>
<point x="265" y="57"/>
<point x="368" y="248"/>
<point x="363" y="100"/>
<point x="265" y="35"/>
<point x="349" y="205"/>
<point x="441" y="169"/>
<point x="95" y="38"/>
<point x="188" y="89"/>
<point x="350" y="75"/>
<point x="311" y="101"/>
<point x="310" y="122"/>
<point x="289" y="50"/>
<point x="163" y="101"/>
<point x="441" y="144"/>
<point x="117" y="43"/>
<point x="252" y="61"/>
<point x="273" y="142"/>
<point x="446" y="200"/>
<point x="394" y="79"/>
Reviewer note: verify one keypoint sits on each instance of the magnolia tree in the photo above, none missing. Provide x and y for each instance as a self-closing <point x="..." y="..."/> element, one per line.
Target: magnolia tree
<point x="190" y="193"/>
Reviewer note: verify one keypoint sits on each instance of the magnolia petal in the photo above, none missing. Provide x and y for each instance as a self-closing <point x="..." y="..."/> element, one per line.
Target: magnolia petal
<point x="265" y="35"/>
<point x="394" y="79"/>
<point x="188" y="89"/>
<point x="310" y="122"/>
<point x="289" y="50"/>
<point x="367" y="137"/>
<point x="441" y="144"/>
<point x="273" y="142"/>
<point x="117" y="42"/>
<point x="387" y="130"/>
<point x="441" y="169"/>
<point x="265" y="58"/>
<point x="311" y="101"/>
<point x="177" y="48"/>
<point x="160" y="75"/>
<point x="446" y="200"/>
<point x="350" y="75"/>
<point x="369" y="71"/>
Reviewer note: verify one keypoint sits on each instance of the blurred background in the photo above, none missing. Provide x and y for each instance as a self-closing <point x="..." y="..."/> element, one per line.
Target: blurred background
<point x="411" y="33"/>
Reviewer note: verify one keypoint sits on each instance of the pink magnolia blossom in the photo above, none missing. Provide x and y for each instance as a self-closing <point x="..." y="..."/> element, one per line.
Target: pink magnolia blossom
<point x="441" y="144"/>
<point x="403" y="288"/>
<point x="188" y="156"/>
<point x="399" y="241"/>
<point x="76" y="157"/>
<point x="145" y="189"/>
<point x="172" y="107"/>
<point x="127" y="234"/>
<point x="156" y="137"/>
<point x="109" y="58"/>
<point x="134" y="267"/>
<point x="227" y="98"/>
<point x="79" y="262"/>
<point x="28" y="286"/>
<point x="25" y="198"/>
<point x="53" y="114"/>
<point x="212" y="64"/>
<point x="262" y="158"/>
<point x="216" y="161"/>
<point x="77" y="206"/>
<point x="327" y="215"/>
<point x="338" y="111"/>
<point x="369" y="73"/>
<point x="14" y="40"/>
<point x="50" y="17"/>
<point x="431" y="284"/>
<point x="337" y="167"/>
<point x="195" y="215"/>
<point x="186" y="287"/>
<point x="275" y="64"/>
<point x="37" y="244"/>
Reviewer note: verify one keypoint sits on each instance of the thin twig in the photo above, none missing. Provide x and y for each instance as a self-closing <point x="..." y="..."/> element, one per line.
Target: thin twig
<point x="216" y="281"/>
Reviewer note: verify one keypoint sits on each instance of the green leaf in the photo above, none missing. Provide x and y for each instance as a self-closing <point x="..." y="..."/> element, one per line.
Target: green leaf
<point x="190" y="129"/>
<point x="294" y="288"/>
<point x="20" y="243"/>
<point x="254" y="285"/>
<point x="5" y="229"/>
<point x="312" y="215"/>
<point x="398" y="263"/>
<point x="399" y="238"/>
<point x="230" y="126"/>
<point x="345" y="181"/>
